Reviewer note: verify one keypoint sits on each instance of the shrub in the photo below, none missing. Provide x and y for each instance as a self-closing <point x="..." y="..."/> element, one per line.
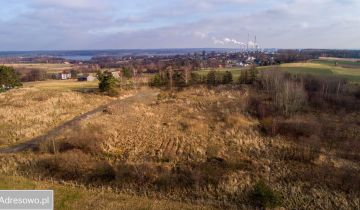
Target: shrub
<point x="102" y="172"/>
<point x="127" y="73"/>
<point x="69" y="165"/>
<point x="263" y="196"/>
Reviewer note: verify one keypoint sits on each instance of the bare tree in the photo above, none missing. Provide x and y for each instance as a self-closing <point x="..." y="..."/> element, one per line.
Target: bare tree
<point x="170" y="72"/>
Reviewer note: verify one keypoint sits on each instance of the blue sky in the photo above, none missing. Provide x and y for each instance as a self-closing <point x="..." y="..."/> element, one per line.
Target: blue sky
<point x="119" y="24"/>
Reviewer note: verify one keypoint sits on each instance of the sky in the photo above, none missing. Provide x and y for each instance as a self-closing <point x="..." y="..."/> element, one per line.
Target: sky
<point x="144" y="24"/>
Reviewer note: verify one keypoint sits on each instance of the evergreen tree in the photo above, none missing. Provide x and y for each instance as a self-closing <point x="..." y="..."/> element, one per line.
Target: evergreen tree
<point x="227" y="78"/>
<point x="74" y="73"/>
<point x="107" y="82"/>
<point x="244" y="78"/>
<point x="211" y="78"/>
<point x="8" y="78"/>
<point x="252" y="74"/>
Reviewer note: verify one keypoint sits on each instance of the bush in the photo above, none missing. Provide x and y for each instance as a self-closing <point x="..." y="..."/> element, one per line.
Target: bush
<point x="127" y="73"/>
<point x="102" y="172"/>
<point x="70" y="165"/>
<point x="263" y="196"/>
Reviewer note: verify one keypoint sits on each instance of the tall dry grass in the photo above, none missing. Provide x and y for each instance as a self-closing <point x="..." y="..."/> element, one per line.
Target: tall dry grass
<point x="29" y="112"/>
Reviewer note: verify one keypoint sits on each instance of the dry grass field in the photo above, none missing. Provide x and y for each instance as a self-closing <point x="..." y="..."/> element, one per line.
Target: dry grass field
<point x="33" y="110"/>
<point x="197" y="145"/>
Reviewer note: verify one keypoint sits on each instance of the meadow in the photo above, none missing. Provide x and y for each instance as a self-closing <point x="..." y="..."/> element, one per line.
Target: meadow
<point x="324" y="68"/>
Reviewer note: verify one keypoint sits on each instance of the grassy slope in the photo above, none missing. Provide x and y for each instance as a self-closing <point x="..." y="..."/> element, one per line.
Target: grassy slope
<point x="71" y="197"/>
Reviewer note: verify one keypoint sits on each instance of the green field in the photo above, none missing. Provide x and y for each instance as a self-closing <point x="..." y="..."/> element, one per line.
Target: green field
<point x="345" y="69"/>
<point x="341" y="63"/>
<point x="235" y="71"/>
<point x="322" y="67"/>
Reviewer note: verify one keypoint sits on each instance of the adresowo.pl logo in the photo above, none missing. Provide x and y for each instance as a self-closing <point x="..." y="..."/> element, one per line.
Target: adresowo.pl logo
<point x="26" y="199"/>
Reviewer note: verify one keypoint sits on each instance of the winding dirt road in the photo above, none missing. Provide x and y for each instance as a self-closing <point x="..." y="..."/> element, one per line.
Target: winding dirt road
<point x="145" y="95"/>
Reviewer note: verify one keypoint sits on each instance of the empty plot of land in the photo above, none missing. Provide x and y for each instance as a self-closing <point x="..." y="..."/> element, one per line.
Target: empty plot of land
<point x="28" y="112"/>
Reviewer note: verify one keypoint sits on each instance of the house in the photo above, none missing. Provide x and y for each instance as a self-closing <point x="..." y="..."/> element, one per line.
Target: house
<point x="63" y="76"/>
<point x="86" y="78"/>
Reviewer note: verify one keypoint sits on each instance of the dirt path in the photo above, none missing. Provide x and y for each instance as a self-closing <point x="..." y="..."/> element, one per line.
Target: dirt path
<point x="145" y="96"/>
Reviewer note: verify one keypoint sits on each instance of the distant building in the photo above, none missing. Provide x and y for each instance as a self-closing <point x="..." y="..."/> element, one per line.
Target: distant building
<point x="63" y="76"/>
<point x="86" y="78"/>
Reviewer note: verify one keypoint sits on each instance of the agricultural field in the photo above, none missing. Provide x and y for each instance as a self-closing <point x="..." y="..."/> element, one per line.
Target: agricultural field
<point x="48" y="67"/>
<point x="344" y="69"/>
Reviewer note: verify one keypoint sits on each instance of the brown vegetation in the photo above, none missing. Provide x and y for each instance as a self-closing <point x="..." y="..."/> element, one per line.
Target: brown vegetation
<point x="280" y="141"/>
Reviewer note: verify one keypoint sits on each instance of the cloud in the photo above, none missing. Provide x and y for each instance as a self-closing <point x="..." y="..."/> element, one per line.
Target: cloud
<point x="71" y="4"/>
<point x="94" y="24"/>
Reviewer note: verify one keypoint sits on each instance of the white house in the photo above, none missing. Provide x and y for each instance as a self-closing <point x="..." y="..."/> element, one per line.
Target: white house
<point x="63" y="76"/>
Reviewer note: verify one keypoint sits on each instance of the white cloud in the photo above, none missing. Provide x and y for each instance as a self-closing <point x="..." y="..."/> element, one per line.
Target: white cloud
<point x="72" y="4"/>
<point x="81" y="24"/>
